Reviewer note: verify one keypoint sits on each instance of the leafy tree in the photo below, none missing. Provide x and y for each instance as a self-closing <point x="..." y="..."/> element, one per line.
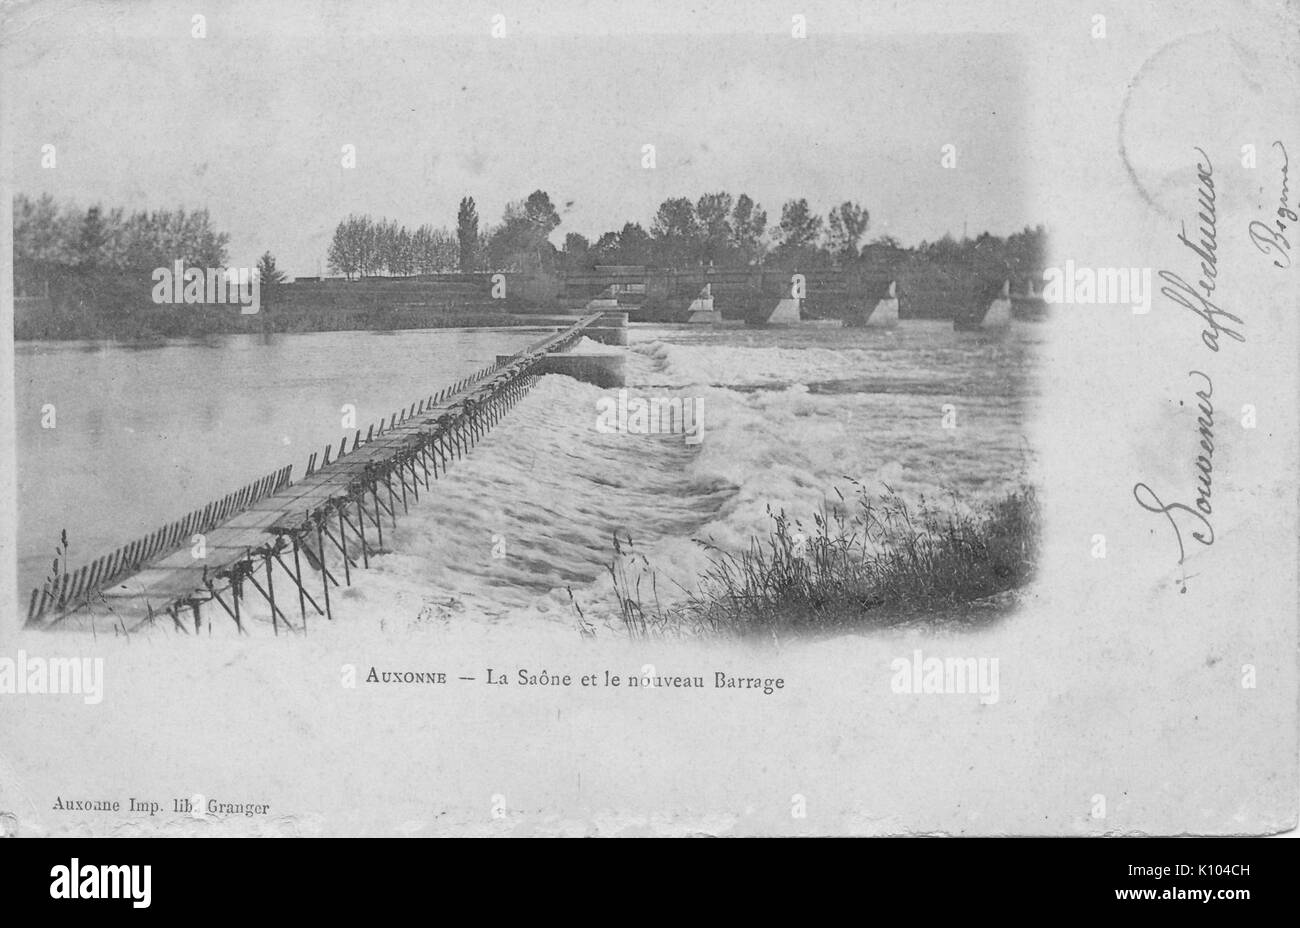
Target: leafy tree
<point x="196" y="242"/>
<point x="369" y="238"/>
<point x="446" y="251"/>
<point x="606" y="249"/>
<point x="883" y="255"/>
<point x="433" y="250"/>
<point x="848" y="223"/>
<point x="421" y="245"/>
<point x="384" y="235"/>
<point x="748" y="224"/>
<point x="267" y="273"/>
<point x="634" y="245"/>
<point x="539" y="211"/>
<point x="339" y="257"/>
<point x="799" y="226"/>
<point x="270" y="278"/>
<point x="577" y="249"/>
<point x="400" y="260"/>
<point x="945" y="251"/>
<point x="522" y="242"/>
<point x="1026" y="251"/>
<point x="676" y="233"/>
<point x="91" y="241"/>
<point x="467" y="234"/>
<point x="41" y="242"/>
<point x="798" y="232"/>
<point x="348" y="249"/>
<point x="713" y="215"/>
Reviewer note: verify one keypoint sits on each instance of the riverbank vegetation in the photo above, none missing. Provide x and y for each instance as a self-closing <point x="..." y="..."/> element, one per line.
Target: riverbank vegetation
<point x="863" y="563"/>
<point x="714" y="230"/>
<point x="53" y="240"/>
<point x="85" y="273"/>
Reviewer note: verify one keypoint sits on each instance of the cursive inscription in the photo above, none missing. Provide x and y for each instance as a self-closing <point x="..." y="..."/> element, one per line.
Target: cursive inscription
<point x="1218" y="321"/>
<point x="1271" y="239"/>
<point x="1192" y="520"/>
<point x="1197" y="513"/>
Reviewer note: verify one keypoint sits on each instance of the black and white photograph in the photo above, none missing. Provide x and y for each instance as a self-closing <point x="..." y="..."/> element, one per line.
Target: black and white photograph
<point x="577" y="419"/>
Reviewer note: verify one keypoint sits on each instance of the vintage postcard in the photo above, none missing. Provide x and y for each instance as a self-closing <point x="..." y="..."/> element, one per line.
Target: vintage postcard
<point x="739" y="419"/>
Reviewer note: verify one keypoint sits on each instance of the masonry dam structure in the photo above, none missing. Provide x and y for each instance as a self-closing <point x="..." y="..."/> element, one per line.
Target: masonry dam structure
<point x="320" y="529"/>
<point x="763" y="296"/>
<point x="757" y="296"/>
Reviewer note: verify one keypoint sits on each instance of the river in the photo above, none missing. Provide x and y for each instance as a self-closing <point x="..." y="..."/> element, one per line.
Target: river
<point x="144" y="434"/>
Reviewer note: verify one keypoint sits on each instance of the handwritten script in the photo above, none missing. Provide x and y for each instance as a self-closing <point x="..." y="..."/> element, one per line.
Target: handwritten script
<point x="1270" y="237"/>
<point x="1216" y="323"/>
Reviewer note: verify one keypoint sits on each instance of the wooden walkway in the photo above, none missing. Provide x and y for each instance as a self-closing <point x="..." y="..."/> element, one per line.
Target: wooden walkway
<point x="332" y="520"/>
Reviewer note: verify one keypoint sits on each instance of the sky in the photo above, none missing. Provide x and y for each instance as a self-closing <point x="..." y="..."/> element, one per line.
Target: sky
<point x="251" y="120"/>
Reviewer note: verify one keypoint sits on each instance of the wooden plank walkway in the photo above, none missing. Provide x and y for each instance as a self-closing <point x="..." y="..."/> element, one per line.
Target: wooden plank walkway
<point x="334" y="514"/>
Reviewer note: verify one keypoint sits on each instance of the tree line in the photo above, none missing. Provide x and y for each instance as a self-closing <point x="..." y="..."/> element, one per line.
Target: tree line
<point x="364" y="247"/>
<point x="720" y="230"/>
<point x="51" y="239"/>
<point x="717" y="229"/>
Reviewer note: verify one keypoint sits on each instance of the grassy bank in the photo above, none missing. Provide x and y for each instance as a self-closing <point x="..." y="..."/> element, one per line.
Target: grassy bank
<point x="863" y="563"/>
<point x="193" y="322"/>
<point x="108" y="304"/>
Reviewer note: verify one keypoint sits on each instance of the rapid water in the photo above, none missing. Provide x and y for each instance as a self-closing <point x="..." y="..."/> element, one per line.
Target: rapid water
<point x="787" y="415"/>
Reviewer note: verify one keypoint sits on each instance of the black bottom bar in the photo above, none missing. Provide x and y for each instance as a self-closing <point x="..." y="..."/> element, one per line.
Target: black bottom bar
<point x="974" y="880"/>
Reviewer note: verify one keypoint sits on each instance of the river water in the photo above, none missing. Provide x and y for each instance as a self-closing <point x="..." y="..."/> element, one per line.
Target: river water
<point x="145" y="434"/>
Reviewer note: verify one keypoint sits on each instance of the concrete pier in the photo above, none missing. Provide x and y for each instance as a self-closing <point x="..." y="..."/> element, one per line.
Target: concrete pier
<point x="786" y="312"/>
<point x="998" y="314"/>
<point x="701" y="311"/>
<point x="990" y="309"/>
<point x="878" y="309"/>
<point x="610" y="328"/>
<point x="602" y="370"/>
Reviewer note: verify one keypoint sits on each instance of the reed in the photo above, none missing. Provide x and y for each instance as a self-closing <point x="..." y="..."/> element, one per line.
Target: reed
<point x="868" y="562"/>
